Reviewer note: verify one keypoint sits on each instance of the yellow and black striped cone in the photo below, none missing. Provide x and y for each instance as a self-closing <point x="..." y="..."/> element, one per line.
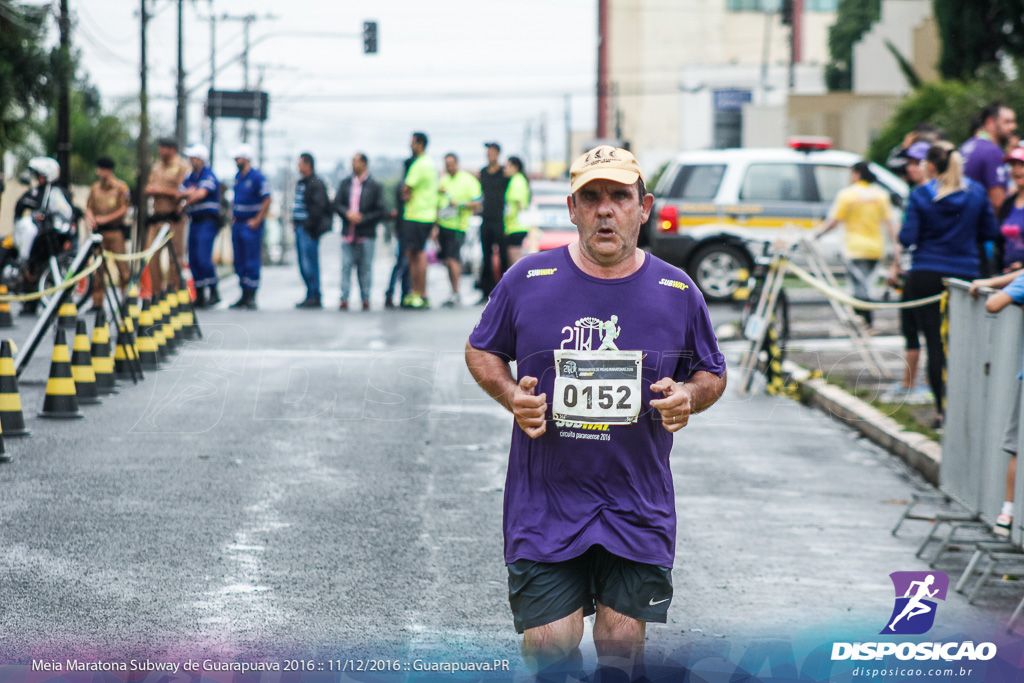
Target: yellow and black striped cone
<point x="149" y="355"/>
<point x="188" y="318"/>
<point x="4" y="457"/>
<point x="61" y="401"/>
<point x="5" y="310"/>
<point x="168" y="313"/>
<point x="102" y="361"/>
<point x="156" y="329"/>
<point x="12" y="420"/>
<point x="81" y="367"/>
<point x="176" y="312"/>
<point x="134" y="310"/>
<point x="67" y="316"/>
<point x="124" y="354"/>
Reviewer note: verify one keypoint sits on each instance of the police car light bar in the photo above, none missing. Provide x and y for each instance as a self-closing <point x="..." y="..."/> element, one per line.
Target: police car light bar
<point x="810" y="143"/>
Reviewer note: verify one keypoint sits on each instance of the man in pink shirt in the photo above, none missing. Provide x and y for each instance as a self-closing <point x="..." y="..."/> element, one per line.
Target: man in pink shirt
<point x="360" y="203"/>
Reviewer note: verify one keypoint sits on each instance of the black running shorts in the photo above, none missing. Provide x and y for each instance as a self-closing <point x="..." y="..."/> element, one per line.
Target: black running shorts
<point x="449" y="243"/>
<point x="515" y="239"/>
<point x="541" y="592"/>
<point x="415" y="234"/>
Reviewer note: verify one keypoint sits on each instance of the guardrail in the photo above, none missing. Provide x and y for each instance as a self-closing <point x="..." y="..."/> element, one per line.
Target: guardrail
<point x="985" y="355"/>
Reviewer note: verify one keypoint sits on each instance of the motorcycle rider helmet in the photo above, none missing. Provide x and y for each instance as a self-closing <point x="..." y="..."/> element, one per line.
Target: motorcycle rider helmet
<point x="46" y="167"/>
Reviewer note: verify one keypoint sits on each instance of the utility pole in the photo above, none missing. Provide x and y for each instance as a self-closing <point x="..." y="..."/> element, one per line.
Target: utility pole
<point x="213" y="73"/>
<point x="568" y="132"/>
<point x="180" y="123"/>
<point x="143" y="147"/>
<point x="259" y="86"/>
<point x="602" y="68"/>
<point x="64" y="98"/>
<point x="247" y="20"/>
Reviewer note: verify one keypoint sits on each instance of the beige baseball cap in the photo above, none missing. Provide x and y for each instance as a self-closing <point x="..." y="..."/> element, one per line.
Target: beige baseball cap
<point x="604" y="163"/>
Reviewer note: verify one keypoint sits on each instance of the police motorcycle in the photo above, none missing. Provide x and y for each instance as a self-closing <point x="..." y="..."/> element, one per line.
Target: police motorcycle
<point x="36" y="256"/>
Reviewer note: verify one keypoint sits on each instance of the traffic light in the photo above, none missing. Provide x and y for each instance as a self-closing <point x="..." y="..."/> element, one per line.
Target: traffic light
<point x="786" y="10"/>
<point x="370" y="37"/>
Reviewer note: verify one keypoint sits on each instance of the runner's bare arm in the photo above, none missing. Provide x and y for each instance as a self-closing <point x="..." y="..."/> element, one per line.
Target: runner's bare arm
<point x="683" y="399"/>
<point x="495" y="377"/>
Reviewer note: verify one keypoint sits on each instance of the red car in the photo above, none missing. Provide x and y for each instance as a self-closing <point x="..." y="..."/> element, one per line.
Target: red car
<point x="548" y="217"/>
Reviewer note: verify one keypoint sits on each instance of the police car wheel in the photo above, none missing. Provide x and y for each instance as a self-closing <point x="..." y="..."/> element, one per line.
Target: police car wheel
<point x="715" y="270"/>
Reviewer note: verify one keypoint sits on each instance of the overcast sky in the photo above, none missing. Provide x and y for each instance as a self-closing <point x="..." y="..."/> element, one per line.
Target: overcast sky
<point x="463" y="71"/>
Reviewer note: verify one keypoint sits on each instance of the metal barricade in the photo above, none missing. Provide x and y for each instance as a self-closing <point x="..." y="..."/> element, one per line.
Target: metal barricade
<point x="983" y="360"/>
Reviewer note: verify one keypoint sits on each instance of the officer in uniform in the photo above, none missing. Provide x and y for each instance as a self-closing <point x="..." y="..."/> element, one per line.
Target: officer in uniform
<point x="105" y="211"/>
<point x="202" y="201"/>
<point x="165" y="188"/>
<point x="248" y="209"/>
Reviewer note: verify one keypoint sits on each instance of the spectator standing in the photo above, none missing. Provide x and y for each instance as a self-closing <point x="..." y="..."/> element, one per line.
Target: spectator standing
<point x="248" y="210"/>
<point x="420" y="195"/>
<point x="1011" y="217"/>
<point x="400" y="273"/>
<point x="983" y="162"/>
<point x="517" y="198"/>
<point x="906" y="390"/>
<point x="360" y="203"/>
<point x="493" y="184"/>
<point x="202" y="202"/>
<point x="945" y="221"/>
<point x="865" y="210"/>
<point x="164" y="187"/>
<point x="105" y="211"/>
<point x="459" y="196"/>
<point x="312" y="217"/>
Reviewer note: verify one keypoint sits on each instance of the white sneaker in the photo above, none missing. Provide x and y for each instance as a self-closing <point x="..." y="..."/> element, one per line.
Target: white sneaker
<point x="1002" y="526"/>
<point x="452" y="301"/>
<point x="920" y="396"/>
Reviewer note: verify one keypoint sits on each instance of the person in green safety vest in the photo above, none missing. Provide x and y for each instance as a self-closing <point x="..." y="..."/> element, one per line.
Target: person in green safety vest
<point x="459" y="196"/>
<point x="517" y="198"/>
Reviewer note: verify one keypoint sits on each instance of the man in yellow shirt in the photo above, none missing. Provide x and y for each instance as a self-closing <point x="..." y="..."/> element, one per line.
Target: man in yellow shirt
<point x="459" y="196"/>
<point x="419" y="192"/>
<point x="863" y="207"/>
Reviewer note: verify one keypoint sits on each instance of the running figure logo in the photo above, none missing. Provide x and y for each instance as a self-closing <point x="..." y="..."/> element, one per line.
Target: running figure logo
<point x="582" y="335"/>
<point x="916" y="593"/>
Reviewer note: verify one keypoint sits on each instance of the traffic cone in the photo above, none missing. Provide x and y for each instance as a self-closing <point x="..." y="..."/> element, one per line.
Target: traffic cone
<point x="133" y="305"/>
<point x="67" y="316"/>
<point x="156" y="329"/>
<point x="102" y="361"/>
<point x="61" y="401"/>
<point x="149" y="354"/>
<point x="168" y="322"/>
<point x="12" y="421"/>
<point x="125" y="355"/>
<point x="5" y="310"/>
<point x="177" y="315"/>
<point x="188" y="317"/>
<point x="81" y="367"/>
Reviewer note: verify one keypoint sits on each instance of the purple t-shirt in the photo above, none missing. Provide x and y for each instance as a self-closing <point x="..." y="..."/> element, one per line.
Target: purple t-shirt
<point x="983" y="162"/>
<point x="1013" y="237"/>
<point x="580" y="483"/>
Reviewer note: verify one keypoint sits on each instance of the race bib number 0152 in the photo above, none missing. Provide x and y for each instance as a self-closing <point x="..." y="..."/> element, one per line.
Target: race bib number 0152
<point x="600" y="387"/>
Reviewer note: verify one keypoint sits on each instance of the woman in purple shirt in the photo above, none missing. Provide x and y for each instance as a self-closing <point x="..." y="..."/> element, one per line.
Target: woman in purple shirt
<point x="1011" y="216"/>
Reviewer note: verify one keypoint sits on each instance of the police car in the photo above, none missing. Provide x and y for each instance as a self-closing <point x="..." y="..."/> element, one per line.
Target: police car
<point x="709" y="206"/>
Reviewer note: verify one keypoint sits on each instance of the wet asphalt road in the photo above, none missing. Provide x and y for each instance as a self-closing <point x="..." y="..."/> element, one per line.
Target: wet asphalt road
<point x="330" y="484"/>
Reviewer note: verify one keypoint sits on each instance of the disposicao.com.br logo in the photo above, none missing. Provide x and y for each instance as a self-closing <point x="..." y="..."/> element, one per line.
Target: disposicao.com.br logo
<point x="914" y="613"/>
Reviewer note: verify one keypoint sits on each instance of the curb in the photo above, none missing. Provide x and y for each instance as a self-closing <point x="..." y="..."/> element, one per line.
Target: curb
<point x="917" y="450"/>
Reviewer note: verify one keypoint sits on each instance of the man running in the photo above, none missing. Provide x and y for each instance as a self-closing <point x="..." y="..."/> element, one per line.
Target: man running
<point x="589" y="520"/>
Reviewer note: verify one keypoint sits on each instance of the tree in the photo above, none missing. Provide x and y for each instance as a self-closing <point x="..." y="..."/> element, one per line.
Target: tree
<point x="974" y="33"/>
<point x="94" y="134"/>
<point x="853" y="19"/>
<point x="24" y="65"/>
<point x="948" y="104"/>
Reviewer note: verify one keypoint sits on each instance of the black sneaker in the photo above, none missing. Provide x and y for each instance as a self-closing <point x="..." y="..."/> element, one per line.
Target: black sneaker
<point x="309" y="303"/>
<point x="213" y="299"/>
